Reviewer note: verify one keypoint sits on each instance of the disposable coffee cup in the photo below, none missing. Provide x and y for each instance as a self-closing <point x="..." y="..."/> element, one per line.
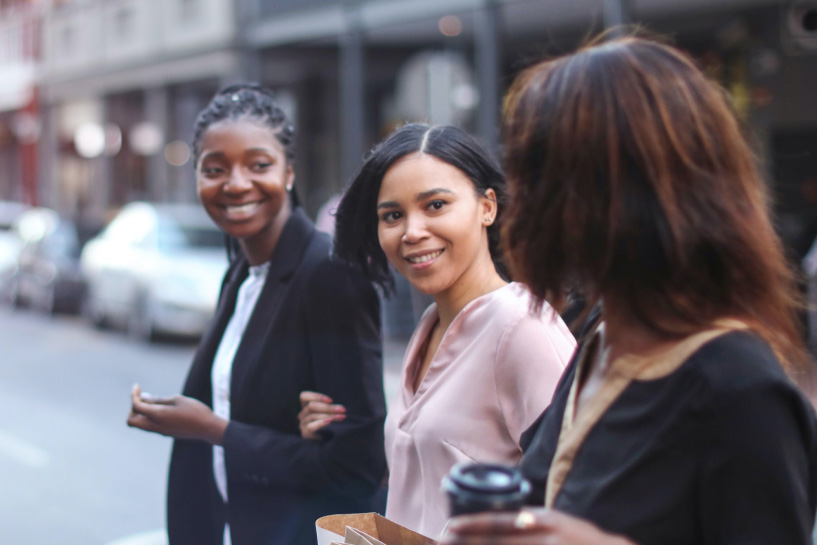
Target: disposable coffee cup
<point x="473" y="488"/>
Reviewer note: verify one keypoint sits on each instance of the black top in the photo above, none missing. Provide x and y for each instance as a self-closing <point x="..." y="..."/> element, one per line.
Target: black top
<point x="720" y="451"/>
<point x="316" y="326"/>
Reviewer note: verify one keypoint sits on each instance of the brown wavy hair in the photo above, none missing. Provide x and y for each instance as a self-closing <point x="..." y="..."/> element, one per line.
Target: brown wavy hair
<point x="630" y="180"/>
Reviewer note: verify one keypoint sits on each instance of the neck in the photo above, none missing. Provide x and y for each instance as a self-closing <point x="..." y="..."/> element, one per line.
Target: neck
<point x="478" y="280"/>
<point x="259" y="248"/>
<point x="623" y="334"/>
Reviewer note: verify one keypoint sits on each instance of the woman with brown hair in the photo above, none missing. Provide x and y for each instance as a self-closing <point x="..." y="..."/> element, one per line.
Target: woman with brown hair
<point x="675" y="423"/>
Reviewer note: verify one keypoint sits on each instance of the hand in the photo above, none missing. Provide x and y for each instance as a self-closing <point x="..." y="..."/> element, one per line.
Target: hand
<point x="178" y="416"/>
<point x="317" y="411"/>
<point x="527" y="527"/>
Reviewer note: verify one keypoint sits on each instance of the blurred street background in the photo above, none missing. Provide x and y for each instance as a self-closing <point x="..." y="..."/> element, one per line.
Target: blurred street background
<point x="109" y="270"/>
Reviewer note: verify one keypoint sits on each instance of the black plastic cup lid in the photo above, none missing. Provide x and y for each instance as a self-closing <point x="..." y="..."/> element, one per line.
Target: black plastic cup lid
<point x="493" y="478"/>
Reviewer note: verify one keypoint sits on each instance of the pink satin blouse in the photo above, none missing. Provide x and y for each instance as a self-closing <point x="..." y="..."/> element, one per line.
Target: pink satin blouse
<point x="493" y="374"/>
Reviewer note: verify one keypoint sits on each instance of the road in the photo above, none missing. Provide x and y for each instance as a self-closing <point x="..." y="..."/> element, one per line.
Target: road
<point x="71" y="471"/>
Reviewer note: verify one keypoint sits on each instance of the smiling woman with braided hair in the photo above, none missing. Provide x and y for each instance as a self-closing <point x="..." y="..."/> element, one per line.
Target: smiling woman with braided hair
<point x="289" y="318"/>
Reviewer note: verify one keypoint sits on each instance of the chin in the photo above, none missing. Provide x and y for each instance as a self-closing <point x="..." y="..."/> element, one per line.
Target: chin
<point x="241" y="232"/>
<point x="428" y="288"/>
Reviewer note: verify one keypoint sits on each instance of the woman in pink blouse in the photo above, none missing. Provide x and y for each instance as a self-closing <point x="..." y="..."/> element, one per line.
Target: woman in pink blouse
<point x="481" y="365"/>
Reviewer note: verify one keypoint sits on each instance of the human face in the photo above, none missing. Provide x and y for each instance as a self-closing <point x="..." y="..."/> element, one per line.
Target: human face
<point x="432" y="224"/>
<point x="242" y="178"/>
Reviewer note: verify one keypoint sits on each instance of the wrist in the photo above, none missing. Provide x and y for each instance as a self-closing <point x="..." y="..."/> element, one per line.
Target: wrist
<point x="216" y="430"/>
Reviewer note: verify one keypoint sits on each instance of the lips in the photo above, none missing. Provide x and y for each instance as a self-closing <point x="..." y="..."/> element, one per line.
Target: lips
<point x="240" y="210"/>
<point x="423" y="258"/>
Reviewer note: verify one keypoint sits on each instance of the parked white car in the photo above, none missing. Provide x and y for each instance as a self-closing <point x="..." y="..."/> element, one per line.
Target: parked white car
<point x="10" y="243"/>
<point x="155" y="269"/>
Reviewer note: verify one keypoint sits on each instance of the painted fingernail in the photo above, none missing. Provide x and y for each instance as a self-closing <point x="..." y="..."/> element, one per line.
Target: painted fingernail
<point x="340" y="409"/>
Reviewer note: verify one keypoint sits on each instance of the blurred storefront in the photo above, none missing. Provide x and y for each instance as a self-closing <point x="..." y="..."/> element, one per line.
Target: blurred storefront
<point x="121" y="80"/>
<point x="19" y="111"/>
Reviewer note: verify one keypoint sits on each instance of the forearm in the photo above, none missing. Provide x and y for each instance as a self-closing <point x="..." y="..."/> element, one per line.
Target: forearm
<point x="351" y="460"/>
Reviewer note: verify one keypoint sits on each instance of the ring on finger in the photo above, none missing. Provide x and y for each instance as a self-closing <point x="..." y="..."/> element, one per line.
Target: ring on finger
<point x="524" y="520"/>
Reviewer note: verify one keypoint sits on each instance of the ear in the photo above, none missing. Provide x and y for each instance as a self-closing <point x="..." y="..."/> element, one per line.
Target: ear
<point x="290" y="177"/>
<point x="488" y="207"/>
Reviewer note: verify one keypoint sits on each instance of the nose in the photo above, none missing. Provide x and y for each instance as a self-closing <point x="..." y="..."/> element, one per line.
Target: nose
<point x="415" y="229"/>
<point x="237" y="182"/>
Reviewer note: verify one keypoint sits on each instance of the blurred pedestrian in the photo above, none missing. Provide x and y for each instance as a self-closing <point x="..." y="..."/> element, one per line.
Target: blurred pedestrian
<point x="480" y="367"/>
<point x="289" y="318"/>
<point x="675" y="423"/>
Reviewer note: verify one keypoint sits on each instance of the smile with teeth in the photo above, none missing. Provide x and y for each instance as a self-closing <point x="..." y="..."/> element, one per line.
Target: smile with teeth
<point x="240" y="209"/>
<point x="424" y="258"/>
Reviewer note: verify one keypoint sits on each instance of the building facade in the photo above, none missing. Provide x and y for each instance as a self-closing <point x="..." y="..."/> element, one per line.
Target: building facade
<point x="121" y="80"/>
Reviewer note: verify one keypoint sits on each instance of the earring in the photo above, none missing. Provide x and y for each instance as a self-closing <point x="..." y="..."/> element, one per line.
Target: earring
<point x="486" y="220"/>
<point x="289" y="187"/>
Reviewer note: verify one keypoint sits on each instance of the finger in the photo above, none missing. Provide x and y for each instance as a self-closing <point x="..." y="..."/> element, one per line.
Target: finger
<point x="314" y="417"/>
<point x="135" y="392"/>
<point x="499" y="522"/>
<point x="142" y="422"/>
<point x="326" y="408"/>
<point x="149" y="409"/>
<point x="489" y="539"/>
<point x="322" y="423"/>
<point x="161" y="400"/>
<point x="307" y="396"/>
<point x="320" y="410"/>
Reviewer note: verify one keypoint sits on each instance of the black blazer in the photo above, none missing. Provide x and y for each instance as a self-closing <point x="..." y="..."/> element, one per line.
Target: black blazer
<point x="316" y="326"/>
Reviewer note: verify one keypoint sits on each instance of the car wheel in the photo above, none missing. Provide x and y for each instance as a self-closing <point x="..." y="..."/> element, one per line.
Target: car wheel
<point x="14" y="294"/>
<point x="140" y="324"/>
<point x="93" y="311"/>
<point x="46" y="300"/>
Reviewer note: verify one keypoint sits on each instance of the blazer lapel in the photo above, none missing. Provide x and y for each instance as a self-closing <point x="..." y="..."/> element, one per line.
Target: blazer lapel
<point x="198" y="383"/>
<point x="286" y="258"/>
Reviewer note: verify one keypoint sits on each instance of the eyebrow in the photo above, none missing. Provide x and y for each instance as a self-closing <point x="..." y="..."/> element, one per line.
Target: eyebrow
<point x="251" y="150"/>
<point x="421" y="197"/>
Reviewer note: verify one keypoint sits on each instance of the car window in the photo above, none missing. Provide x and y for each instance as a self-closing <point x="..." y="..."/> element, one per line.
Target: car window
<point x="132" y="226"/>
<point x="173" y="236"/>
<point x="63" y="241"/>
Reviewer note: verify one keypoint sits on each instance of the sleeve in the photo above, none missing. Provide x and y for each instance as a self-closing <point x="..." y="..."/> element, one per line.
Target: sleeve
<point x="757" y="480"/>
<point x="531" y="356"/>
<point x="342" y="314"/>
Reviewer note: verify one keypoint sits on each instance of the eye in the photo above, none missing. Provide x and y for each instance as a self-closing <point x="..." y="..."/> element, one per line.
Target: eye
<point x="390" y="217"/>
<point x="261" y="165"/>
<point x="211" y="171"/>
<point x="436" y="204"/>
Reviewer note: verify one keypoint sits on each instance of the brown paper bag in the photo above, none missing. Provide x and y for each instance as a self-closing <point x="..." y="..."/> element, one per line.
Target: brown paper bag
<point x="332" y="528"/>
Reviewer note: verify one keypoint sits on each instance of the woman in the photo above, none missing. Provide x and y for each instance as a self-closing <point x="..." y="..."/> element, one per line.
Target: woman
<point x="289" y="318"/>
<point x="479" y="367"/>
<point x="675" y="423"/>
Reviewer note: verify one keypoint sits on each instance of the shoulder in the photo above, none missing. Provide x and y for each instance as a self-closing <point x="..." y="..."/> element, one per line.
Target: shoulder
<point x="742" y="381"/>
<point x="514" y="309"/>
<point x="531" y="339"/>
<point x="736" y="361"/>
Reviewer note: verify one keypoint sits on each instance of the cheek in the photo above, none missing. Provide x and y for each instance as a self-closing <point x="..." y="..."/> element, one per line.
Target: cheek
<point x="389" y="242"/>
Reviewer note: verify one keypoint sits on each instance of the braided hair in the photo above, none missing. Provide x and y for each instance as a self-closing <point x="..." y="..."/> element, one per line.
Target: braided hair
<point x="246" y="101"/>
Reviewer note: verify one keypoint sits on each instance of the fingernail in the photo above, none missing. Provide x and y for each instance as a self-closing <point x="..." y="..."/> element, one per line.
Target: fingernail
<point x="327" y="399"/>
<point x="340" y="409"/>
